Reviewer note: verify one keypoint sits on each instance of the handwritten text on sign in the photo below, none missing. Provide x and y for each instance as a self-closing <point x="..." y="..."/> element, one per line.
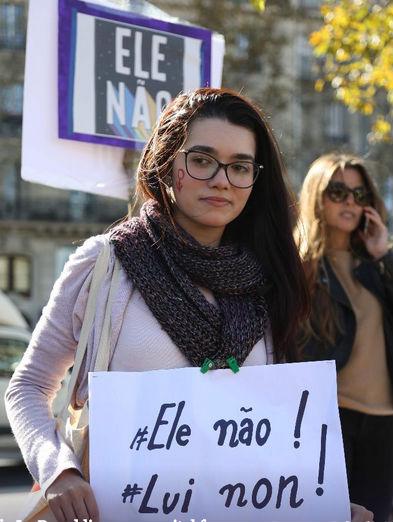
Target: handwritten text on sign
<point x="260" y="445"/>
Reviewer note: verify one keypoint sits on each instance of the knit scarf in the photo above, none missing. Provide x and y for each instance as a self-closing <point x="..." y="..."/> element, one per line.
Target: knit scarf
<point x="168" y="267"/>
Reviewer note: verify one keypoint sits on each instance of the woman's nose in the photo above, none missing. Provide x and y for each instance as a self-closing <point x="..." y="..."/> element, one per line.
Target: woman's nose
<point x="220" y="180"/>
<point x="350" y="199"/>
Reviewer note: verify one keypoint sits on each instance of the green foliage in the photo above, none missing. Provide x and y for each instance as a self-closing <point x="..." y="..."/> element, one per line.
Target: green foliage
<point x="356" y="44"/>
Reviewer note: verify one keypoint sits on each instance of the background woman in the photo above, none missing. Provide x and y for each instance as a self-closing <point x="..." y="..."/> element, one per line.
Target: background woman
<point x="344" y="245"/>
<point x="209" y="271"/>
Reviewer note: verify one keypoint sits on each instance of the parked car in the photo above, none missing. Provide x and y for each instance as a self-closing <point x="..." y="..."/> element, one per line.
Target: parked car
<point x="14" y="338"/>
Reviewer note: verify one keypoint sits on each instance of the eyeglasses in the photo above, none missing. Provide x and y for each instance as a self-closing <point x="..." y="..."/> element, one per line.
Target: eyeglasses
<point x="203" y="166"/>
<point x="339" y="192"/>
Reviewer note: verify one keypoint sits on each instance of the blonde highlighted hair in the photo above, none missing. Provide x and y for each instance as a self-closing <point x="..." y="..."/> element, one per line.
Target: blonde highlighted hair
<point x="311" y="236"/>
<point x="311" y="230"/>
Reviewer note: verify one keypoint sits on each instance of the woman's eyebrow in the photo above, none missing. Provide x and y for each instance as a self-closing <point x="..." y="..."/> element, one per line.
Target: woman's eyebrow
<point x="244" y="156"/>
<point x="213" y="151"/>
<point x="203" y="148"/>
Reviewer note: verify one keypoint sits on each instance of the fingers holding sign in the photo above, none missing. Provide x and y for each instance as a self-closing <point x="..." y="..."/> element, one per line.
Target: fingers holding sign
<point x="70" y="497"/>
<point x="360" y="514"/>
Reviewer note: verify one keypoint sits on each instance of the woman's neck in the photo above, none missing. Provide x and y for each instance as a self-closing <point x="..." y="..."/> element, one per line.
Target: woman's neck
<point x="209" y="238"/>
<point x="338" y="240"/>
<point x="205" y="235"/>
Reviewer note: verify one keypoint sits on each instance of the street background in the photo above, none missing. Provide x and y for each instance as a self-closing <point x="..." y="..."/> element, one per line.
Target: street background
<point x="268" y="57"/>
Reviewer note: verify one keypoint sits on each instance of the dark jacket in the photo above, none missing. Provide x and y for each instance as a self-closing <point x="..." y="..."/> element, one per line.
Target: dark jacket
<point x="377" y="277"/>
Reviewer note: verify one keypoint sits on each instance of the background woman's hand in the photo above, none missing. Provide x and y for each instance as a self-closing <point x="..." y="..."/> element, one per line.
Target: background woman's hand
<point x="360" y="514"/>
<point x="375" y="238"/>
<point x="70" y="497"/>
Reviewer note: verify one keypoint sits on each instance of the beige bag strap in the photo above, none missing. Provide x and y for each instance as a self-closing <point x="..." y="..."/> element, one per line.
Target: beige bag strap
<point x="99" y="272"/>
<point x="102" y="359"/>
<point x="103" y="353"/>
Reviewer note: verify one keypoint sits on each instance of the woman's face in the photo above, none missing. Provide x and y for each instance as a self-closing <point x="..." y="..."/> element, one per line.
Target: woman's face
<point x="344" y="216"/>
<point x="205" y="207"/>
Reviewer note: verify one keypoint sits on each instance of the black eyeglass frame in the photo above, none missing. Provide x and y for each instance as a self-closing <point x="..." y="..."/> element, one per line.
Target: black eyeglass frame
<point x="257" y="167"/>
<point x="346" y="191"/>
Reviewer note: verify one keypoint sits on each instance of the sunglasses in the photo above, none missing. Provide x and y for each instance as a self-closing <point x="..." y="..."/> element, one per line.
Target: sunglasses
<point x="339" y="192"/>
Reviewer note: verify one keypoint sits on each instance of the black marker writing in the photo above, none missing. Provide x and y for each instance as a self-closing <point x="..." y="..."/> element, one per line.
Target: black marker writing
<point x="299" y="418"/>
<point x="246" y="433"/>
<point x="168" y="503"/>
<point x="262" y="493"/>
<point x="160" y="438"/>
<point x="139" y="438"/>
<point x="321" y="470"/>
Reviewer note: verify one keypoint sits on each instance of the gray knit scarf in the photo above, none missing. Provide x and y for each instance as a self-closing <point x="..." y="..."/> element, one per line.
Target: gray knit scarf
<point x="167" y="266"/>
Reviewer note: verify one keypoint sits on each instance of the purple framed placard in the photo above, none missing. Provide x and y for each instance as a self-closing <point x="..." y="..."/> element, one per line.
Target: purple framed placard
<point x="117" y="70"/>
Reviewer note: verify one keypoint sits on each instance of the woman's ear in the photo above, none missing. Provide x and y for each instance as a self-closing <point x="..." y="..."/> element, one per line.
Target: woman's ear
<point x="168" y="181"/>
<point x="168" y="184"/>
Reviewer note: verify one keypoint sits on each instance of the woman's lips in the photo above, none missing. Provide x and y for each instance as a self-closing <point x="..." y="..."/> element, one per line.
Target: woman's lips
<point x="347" y="215"/>
<point x="216" y="201"/>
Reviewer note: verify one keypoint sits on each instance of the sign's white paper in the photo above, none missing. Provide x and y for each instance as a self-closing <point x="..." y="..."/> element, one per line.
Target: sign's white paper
<point x="60" y="163"/>
<point x="262" y="445"/>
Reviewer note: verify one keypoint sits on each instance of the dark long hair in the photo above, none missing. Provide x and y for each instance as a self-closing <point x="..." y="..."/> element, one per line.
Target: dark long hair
<point x="265" y="224"/>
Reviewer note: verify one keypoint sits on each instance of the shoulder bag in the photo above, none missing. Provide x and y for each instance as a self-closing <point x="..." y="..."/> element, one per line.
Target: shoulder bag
<point x="72" y="423"/>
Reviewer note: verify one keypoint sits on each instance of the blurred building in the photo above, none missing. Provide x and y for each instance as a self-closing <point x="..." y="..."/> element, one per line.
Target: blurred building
<point x="268" y="58"/>
<point x="39" y="226"/>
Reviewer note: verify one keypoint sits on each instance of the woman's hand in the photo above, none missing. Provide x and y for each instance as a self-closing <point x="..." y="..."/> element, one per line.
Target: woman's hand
<point x="70" y="497"/>
<point x="360" y="514"/>
<point x="375" y="237"/>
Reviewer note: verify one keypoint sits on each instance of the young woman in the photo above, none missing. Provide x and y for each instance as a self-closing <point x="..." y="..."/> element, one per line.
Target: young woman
<point x="209" y="270"/>
<point x="344" y="244"/>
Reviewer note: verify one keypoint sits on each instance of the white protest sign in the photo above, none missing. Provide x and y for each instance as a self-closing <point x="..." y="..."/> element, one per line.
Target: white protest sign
<point x="118" y="69"/>
<point x="46" y="158"/>
<point x="62" y="163"/>
<point x="260" y="445"/>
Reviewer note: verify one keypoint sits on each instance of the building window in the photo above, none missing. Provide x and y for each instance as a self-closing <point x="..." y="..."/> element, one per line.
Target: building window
<point x="306" y="60"/>
<point x="12" y="27"/>
<point x="242" y="46"/>
<point x="15" y="274"/>
<point x="310" y="3"/>
<point x="388" y="193"/>
<point x="336" y="127"/>
<point x="78" y="202"/>
<point x="11" y="99"/>
<point x="62" y="255"/>
<point x="10" y="190"/>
